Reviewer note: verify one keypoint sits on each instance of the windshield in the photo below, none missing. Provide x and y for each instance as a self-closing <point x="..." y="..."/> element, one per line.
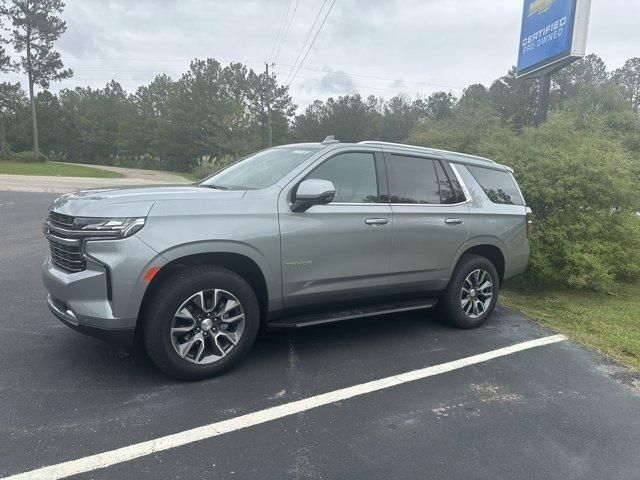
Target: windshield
<point x="261" y="169"/>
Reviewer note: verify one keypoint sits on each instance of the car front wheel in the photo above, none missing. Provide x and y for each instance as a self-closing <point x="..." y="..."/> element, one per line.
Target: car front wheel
<point x="200" y="322"/>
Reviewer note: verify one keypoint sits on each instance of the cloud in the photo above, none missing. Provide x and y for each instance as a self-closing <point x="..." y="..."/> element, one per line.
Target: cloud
<point x="337" y="83"/>
<point x="443" y="43"/>
<point x="398" y="85"/>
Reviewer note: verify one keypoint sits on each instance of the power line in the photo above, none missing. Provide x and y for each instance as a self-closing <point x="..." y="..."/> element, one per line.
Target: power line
<point x="283" y="22"/>
<point x="373" y="77"/>
<point x="391" y="90"/>
<point x="312" y="42"/>
<point x="172" y="60"/>
<point x="306" y="40"/>
<point x="167" y="60"/>
<point x="284" y="37"/>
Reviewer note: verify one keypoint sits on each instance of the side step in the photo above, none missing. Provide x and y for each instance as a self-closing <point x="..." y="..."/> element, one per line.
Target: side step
<point x="338" y="316"/>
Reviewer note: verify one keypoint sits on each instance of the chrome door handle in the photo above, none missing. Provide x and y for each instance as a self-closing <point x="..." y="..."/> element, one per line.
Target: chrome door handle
<point x="376" y="221"/>
<point x="453" y="221"/>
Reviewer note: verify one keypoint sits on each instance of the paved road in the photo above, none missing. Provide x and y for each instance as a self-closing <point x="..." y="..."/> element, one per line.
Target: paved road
<point x="133" y="177"/>
<point x="142" y="174"/>
<point x="556" y="411"/>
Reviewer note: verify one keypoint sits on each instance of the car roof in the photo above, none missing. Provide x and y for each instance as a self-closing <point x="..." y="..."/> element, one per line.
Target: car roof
<point x="407" y="149"/>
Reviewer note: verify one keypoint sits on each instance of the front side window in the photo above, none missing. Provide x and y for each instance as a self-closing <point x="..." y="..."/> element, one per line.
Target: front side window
<point x="498" y="185"/>
<point x="413" y="180"/>
<point x="262" y="169"/>
<point x="354" y="176"/>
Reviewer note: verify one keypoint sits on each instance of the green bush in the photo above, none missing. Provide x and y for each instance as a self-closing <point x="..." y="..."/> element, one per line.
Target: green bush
<point x="581" y="181"/>
<point x="582" y="187"/>
<point x="206" y="168"/>
<point x="27" y="157"/>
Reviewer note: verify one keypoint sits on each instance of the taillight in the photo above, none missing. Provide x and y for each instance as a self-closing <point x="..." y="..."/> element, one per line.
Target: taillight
<point x="529" y="221"/>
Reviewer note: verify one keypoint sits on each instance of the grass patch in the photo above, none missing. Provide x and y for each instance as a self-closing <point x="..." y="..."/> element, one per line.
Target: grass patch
<point x="189" y="176"/>
<point x="609" y="324"/>
<point x="55" y="170"/>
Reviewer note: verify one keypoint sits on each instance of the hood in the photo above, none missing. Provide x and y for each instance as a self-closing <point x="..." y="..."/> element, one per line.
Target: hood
<point x="133" y="201"/>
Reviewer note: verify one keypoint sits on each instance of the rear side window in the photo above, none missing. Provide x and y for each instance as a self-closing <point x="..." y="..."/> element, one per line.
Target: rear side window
<point x="498" y="185"/>
<point x="413" y="180"/>
<point x="450" y="191"/>
<point x="422" y="181"/>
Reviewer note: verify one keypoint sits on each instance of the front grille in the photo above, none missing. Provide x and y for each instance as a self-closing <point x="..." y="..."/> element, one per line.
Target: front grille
<point x="61" y="220"/>
<point x="65" y="246"/>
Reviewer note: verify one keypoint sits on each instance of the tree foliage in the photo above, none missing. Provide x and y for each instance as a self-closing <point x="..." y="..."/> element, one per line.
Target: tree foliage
<point x="628" y="78"/>
<point x="579" y="172"/>
<point x="35" y="26"/>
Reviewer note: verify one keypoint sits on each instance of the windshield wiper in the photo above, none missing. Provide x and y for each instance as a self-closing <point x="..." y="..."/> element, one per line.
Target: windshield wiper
<point x="213" y="185"/>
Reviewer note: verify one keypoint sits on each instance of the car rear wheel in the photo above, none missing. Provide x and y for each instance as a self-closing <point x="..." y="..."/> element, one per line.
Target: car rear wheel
<point x="200" y="322"/>
<point x="472" y="292"/>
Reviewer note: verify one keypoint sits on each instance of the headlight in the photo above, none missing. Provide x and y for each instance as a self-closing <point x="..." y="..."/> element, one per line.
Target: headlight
<point x="121" y="227"/>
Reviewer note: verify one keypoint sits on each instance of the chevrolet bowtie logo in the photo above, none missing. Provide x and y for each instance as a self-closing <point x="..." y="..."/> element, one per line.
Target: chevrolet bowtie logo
<point x="540" y="6"/>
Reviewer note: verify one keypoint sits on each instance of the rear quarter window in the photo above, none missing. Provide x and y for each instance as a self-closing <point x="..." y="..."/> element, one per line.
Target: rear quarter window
<point x="498" y="185"/>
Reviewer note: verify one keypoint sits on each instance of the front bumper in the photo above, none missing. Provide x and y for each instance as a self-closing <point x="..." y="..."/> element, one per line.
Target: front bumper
<point x="104" y="299"/>
<point x="123" y="337"/>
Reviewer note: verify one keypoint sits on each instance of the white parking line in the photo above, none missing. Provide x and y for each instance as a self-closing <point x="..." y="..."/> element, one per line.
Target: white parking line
<point x="124" y="454"/>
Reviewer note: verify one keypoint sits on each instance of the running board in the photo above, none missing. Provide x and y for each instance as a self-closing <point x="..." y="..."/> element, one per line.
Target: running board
<point x="341" y="315"/>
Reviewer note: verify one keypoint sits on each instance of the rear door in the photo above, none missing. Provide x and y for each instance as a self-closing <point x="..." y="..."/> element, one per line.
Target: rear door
<point x="430" y="220"/>
<point x="338" y="252"/>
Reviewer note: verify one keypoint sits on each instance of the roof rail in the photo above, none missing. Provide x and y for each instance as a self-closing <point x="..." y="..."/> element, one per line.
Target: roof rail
<point x="329" y="140"/>
<point x="426" y="149"/>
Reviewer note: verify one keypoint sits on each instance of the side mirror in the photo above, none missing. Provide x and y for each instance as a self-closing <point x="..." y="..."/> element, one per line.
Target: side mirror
<point x="313" y="192"/>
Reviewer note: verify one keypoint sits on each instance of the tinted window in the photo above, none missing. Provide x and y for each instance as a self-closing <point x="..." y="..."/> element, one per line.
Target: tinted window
<point x="413" y="180"/>
<point x="450" y="191"/>
<point x="353" y="175"/>
<point x="499" y="186"/>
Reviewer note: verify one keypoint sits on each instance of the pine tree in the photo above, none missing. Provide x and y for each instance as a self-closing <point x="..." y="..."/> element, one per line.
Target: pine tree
<point x="35" y="27"/>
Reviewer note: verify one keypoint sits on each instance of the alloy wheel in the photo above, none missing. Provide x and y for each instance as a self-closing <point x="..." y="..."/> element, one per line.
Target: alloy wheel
<point x="207" y="326"/>
<point x="476" y="294"/>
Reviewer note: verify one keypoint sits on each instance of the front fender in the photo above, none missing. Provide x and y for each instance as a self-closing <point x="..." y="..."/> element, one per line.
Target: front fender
<point x="271" y="275"/>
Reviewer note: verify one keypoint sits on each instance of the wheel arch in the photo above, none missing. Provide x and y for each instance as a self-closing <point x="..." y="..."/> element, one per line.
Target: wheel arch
<point x="238" y="263"/>
<point x="489" y="248"/>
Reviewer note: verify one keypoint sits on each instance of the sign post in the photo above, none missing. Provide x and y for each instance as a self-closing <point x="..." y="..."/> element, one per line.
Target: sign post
<point x="553" y="35"/>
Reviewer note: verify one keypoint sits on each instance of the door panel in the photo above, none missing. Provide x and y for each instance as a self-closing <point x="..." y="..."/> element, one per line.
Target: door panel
<point x="430" y="222"/>
<point x="424" y="244"/>
<point x="331" y="253"/>
<point x="339" y="251"/>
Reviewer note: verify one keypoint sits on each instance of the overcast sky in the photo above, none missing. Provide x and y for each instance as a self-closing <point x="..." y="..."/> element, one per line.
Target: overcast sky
<point x="379" y="47"/>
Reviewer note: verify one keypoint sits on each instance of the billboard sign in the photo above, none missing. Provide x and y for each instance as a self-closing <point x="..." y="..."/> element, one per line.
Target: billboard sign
<point x="554" y="33"/>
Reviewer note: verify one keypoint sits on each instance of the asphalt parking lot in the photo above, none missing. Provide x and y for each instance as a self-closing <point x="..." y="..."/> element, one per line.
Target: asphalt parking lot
<point x="554" y="411"/>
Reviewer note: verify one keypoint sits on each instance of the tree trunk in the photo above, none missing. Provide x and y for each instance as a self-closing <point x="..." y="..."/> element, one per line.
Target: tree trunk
<point x="3" y="141"/>
<point x="34" y="121"/>
<point x="32" y="99"/>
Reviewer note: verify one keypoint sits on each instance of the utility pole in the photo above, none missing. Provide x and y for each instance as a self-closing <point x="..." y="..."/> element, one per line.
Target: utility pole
<point x="543" y="99"/>
<point x="268" y="102"/>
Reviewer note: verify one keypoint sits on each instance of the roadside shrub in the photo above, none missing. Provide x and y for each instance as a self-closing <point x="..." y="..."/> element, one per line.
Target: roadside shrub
<point x="582" y="187"/>
<point x="28" y="157"/>
<point x="581" y="183"/>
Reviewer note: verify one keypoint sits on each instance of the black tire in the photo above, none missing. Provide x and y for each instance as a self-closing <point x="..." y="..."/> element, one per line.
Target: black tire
<point x="450" y="302"/>
<point x="174" y="290"/>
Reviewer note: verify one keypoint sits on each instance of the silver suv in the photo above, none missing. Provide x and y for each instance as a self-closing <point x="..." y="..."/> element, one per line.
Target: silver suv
<point x="289" y="237"/>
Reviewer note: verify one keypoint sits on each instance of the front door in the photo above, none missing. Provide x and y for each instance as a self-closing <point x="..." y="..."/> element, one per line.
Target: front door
<point x="338" y="252"/>
<point x="431" y="222"/>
